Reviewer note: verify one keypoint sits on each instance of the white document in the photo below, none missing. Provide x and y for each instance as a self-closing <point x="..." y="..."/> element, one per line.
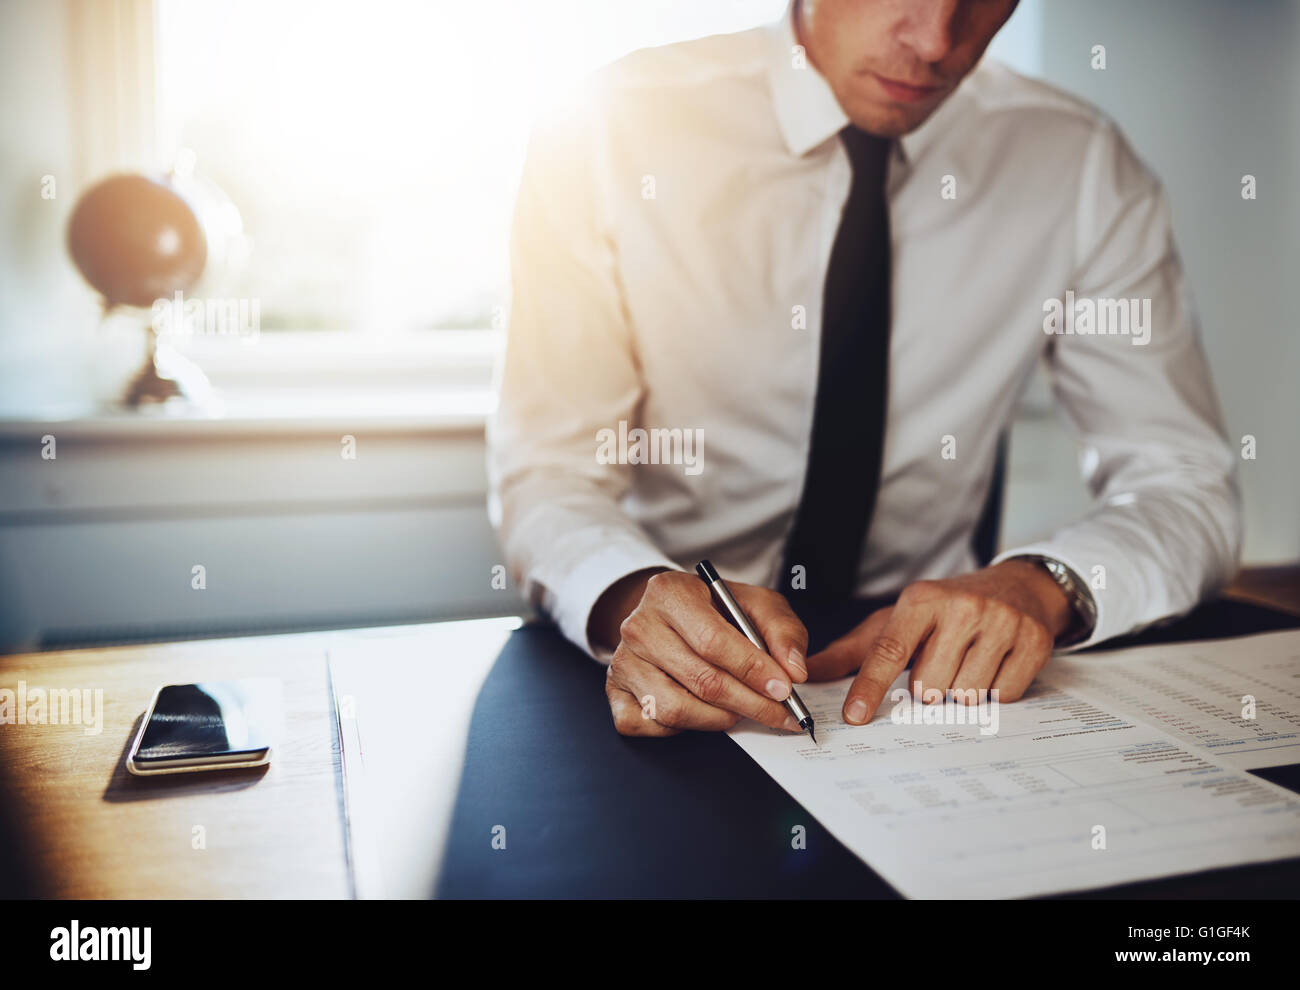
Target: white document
<point x="1062" y="790"/>
<point x="1201" y="692"/>
<point x="404" y="697"/>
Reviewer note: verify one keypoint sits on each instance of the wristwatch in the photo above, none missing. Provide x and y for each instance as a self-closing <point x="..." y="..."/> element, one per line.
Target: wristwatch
<point x="1082" y="605"/>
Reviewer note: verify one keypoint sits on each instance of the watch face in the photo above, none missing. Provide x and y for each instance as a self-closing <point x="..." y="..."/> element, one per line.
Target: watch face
<point x="1080" y="603"/>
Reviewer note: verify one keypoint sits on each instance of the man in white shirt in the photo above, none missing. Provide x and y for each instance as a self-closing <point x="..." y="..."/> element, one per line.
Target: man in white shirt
<point x="776" y="295"/>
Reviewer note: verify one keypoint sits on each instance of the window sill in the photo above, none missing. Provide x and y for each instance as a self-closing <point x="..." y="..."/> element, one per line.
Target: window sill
<point x="269" y="414"/>
<point x="303" y="383"/>
<point x="304" y="358"/>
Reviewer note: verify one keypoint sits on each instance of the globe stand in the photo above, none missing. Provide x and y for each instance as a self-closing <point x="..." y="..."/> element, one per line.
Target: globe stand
<point x="164" y="376"/>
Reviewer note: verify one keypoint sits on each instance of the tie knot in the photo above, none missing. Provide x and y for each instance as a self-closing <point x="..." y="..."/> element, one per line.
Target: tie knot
<point x="867" y="152"/>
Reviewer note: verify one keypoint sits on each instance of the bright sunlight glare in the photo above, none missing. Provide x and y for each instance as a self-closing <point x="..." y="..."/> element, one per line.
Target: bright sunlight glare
<point x="374" y="148"/>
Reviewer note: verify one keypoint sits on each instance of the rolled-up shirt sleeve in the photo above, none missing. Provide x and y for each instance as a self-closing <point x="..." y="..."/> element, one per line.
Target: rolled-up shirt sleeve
<point x="1166" y="529"/>
<point x="569" y="372"/>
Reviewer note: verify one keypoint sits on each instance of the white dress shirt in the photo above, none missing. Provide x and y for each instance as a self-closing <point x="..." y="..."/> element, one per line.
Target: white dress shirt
<point x="670" y="246"/>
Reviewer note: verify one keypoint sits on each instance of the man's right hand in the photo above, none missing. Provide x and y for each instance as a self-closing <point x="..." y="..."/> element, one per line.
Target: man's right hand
<point x="679" y="664"/>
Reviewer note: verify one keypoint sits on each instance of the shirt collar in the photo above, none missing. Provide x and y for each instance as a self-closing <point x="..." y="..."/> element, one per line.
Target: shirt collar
<point x="806" y="109"/>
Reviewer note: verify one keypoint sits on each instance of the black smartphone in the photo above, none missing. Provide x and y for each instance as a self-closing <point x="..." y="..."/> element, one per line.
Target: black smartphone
<point x="212" y="725"/>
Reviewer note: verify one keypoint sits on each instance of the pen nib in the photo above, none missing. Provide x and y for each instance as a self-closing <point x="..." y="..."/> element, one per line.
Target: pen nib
<point x="813" y="736"/>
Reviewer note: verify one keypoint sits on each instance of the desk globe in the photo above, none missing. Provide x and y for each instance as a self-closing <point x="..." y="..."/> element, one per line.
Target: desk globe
<point x="136" y="240"/>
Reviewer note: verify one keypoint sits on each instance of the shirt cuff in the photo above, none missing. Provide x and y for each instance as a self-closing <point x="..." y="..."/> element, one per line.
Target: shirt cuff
<point x="570" y="605"/>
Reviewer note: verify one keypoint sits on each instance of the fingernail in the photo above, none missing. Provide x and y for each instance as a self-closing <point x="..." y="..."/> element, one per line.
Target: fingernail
<point x="790" y="725"/>
<point x="795" y="660"/>
<point x="777" y="690"/>
<point x="856" y="712"/>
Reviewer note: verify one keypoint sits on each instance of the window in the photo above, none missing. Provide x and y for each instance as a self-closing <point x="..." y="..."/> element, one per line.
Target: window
<point x="373" y="148"/>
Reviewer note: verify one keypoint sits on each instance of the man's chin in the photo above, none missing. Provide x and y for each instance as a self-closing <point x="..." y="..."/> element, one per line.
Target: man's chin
<point x="890" y="120"/>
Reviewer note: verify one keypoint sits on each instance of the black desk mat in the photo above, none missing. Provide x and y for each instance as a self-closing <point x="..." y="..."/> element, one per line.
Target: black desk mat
<point x="589" y="813"/>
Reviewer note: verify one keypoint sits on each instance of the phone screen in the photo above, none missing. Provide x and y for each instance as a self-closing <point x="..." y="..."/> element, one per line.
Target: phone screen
<point x="212" y="721"/>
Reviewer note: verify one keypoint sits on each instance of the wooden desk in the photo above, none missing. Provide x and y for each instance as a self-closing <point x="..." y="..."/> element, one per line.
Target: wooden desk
<point x="1274" y="587"/>
<point x="95" y="830"/>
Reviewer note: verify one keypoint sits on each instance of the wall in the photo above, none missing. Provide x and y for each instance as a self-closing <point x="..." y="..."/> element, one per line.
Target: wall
<point x="100" y="543"/>
<point x="46" y="318"/>
<point x="1206" y="91"/>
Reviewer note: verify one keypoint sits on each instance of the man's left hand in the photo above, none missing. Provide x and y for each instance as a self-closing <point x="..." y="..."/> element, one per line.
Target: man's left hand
<point x="993" y="628"/>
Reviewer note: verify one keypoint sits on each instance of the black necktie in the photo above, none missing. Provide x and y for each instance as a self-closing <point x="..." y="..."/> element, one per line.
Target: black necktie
<point x="848" y="430"/>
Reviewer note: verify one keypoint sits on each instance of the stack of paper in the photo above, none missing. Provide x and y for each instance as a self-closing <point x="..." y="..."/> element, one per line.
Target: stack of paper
<point x="1115" y="767"/>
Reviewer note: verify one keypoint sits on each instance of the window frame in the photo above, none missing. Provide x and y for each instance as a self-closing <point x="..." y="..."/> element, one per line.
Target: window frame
<point x="117" y="127"/>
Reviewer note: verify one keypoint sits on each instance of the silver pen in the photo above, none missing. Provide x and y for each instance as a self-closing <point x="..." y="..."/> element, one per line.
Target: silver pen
<point x="731" y="608"/>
